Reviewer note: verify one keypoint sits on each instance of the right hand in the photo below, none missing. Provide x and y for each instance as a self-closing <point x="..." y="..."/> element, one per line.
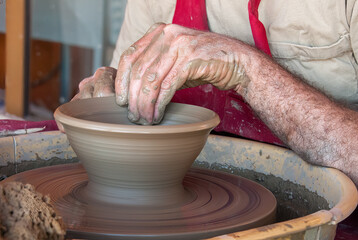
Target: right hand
<point x="170" y="57"/>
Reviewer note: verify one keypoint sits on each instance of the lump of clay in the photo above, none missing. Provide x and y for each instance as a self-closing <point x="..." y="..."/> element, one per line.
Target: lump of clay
<point x="26" y="214"/>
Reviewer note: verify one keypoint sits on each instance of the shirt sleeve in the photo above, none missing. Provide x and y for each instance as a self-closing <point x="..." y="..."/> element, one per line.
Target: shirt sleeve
<point x="137" y="20"/>
<point x="353" y="21"/>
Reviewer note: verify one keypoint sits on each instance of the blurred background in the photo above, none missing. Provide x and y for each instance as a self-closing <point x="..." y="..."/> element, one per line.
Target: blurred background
<point x="48" y="46"/>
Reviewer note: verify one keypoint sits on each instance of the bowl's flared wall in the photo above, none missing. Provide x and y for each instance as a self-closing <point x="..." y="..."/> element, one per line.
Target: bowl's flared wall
<point x="144" y="169"/>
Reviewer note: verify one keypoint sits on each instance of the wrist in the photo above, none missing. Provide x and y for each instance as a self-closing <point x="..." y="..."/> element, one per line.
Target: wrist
<point x="248" y="60"/>
<point x="256" y="64"/>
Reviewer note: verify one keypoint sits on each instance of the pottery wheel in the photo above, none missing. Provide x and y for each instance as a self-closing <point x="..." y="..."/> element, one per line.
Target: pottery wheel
<point x="222" y="203"/>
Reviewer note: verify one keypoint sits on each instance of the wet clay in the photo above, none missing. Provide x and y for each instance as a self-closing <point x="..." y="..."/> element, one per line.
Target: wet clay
<point x="26" y="214"/>
<point x="221" y="203"/>
<point x="101" y="84"/>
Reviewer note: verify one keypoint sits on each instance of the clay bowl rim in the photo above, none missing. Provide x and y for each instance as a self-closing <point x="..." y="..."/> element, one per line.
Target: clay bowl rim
<point x="74" y="121"/>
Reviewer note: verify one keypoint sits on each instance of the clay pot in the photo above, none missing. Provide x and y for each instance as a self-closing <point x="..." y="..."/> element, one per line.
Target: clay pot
<point x="133" y="164"/>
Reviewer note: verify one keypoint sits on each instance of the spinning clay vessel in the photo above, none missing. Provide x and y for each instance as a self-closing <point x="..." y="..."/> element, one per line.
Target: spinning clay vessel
<point x="132" y="164"/>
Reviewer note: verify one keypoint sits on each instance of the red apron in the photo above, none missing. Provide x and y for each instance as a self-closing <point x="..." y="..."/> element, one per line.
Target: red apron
<point x="236" y="116"/>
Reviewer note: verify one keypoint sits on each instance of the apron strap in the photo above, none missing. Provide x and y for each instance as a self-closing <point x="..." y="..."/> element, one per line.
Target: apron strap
<point x="257" y="28"/>
<point x="191" y="14"/>
<point x="236" y="116"/>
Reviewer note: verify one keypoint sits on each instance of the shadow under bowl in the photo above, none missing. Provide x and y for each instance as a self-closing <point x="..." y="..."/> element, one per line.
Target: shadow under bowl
<point x="133" y="164"/>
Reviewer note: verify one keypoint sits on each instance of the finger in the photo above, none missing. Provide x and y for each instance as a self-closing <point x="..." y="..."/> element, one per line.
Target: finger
<point x="128" y="58"/>
<point x="172" y="82"/>
<point x="135" y="85"/>
<point x="152" y="82"/>
<point x="102" y="70"/>
<point x="104" y="82"/>
<point x="147" y="98"/>
<point x="166" y="94"/>
<point x="121" y="84"/>
<point x="85" y="89"/>
<point x="138" y="90"/>
<point x="76" y="97"/>
<point x="170" y="77"/>
<point x="157" y="61"/>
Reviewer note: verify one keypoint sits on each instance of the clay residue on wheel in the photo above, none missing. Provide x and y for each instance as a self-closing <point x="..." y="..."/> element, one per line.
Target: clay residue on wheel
<point x="293" y="200"/>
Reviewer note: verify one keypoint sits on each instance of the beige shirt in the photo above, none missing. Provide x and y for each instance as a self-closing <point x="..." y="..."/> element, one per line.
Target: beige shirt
<point x="314" y="39"/>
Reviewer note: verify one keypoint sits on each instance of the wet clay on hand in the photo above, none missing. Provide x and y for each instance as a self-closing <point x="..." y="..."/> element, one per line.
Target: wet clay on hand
<point x="170" y="57"/>
<point x="101" y="84"/>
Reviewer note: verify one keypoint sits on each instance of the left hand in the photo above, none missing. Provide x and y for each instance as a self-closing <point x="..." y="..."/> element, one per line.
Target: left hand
<point x="101" y="84"/>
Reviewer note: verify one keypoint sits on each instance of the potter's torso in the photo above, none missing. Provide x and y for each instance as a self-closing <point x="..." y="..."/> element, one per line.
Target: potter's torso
<point x="317" y="40"/>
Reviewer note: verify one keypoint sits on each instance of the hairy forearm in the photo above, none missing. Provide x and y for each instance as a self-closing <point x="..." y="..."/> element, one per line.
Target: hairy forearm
<point x="318" y="129"/>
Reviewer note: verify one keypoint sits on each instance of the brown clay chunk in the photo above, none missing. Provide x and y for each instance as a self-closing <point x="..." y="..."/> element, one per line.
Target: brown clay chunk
<point x="26" y="214"/>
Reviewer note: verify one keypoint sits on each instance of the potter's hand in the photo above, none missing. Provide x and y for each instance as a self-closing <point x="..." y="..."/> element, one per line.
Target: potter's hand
<point x="170" y="57"/>
<point x="101" y="84"/>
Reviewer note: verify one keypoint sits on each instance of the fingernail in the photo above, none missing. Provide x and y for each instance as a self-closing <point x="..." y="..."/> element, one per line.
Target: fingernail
<point x="158" y="120"/>
<point x="121" y="100"/>
<point x="131" y="50"/>
<point x="132" y="117"/>
<point x="144" y="122"/>
<point x="159" y="115"/>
